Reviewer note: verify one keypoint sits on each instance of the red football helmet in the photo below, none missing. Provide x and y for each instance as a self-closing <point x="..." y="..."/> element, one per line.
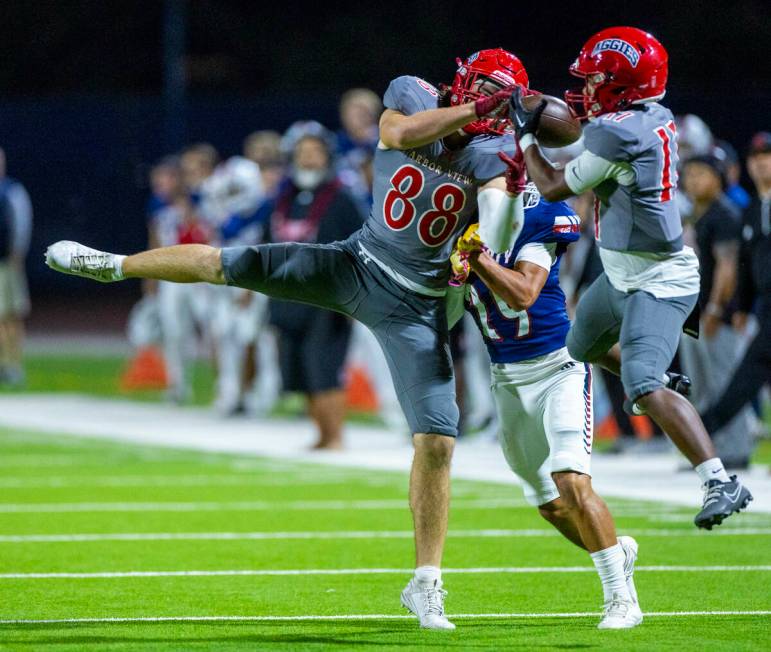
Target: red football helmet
<point x="619" y="66"/>
<point x="498" y="66"/>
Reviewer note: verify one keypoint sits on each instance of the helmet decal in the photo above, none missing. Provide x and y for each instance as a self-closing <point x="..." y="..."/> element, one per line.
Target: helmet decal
<point x="617" y="45"/>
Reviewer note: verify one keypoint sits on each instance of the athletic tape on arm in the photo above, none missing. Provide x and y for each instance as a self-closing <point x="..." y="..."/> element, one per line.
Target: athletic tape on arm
<point x="501" y="217"/>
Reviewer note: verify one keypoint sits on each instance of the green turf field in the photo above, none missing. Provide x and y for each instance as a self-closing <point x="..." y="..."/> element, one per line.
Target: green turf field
<point x="220" y="552"/>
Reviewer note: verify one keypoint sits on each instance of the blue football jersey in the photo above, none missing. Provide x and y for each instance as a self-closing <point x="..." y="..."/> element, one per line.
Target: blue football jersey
<point x="513" y="336"/>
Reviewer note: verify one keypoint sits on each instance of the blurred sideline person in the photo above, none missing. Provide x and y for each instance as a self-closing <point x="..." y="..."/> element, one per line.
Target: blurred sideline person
<point x="754" y="371"/>
<point x="710" y="360"/>
<point x="737" y="195"/>
<point x="650" y="281"/>
<point x="233" y="206"/>
<point x="543" y="397"/>
<point x="360" y="110"/>
<point x="437" y="166"/>
<point x="15" y="235"/>
<point x="181" y="308"/>
<point x="312" y="206"/>
<point x="264" y="149"/>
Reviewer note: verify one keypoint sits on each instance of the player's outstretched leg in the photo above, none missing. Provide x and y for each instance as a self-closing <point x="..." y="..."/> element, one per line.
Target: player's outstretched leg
<point x="179" y="264"/>
<point x="584" y="518"/>
<point x="429" y="501"/>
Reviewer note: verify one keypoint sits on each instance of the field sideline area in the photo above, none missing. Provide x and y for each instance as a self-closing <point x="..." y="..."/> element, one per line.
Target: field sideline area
<point x="114" y="546"/>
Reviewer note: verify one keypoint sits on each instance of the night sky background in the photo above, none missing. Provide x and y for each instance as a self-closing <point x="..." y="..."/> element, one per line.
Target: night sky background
<point x="82" y="110"/>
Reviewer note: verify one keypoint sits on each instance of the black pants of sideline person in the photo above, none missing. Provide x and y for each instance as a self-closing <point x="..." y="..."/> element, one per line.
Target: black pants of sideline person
<point x="753" y="372"/>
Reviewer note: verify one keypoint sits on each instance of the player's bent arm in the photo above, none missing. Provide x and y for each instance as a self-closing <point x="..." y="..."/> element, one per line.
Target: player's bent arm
<point x="501" y="215"/>
<point x="518" y="287"/>
<point x="579" y="175"/>
<point x="399" y="131"/>
<point x="724" y="283"/>
<point x="549" y="180"/>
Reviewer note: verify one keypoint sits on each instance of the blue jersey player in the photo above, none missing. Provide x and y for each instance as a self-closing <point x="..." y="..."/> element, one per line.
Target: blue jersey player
<point x="542" y="395"/>
<point x="436" y="169"/>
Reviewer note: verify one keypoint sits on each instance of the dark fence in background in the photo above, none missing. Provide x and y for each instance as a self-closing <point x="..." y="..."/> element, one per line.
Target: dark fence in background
<point x="84" y="160"/>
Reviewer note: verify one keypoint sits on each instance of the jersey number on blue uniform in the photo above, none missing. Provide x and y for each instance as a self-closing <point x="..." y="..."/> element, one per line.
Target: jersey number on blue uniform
<point x="507" y="312"/>
<point x="436" y="225"/>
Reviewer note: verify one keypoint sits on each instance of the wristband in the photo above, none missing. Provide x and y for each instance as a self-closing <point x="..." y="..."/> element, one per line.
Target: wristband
<point x="527" y="140"/>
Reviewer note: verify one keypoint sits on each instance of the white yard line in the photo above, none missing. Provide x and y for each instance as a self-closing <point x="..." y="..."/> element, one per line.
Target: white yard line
<point x="505" y="570"/>
<point x="349" y="617"/>
<point x="243" y="505"/>
<point x="350" y="534"/>
<point x="293" y="479"/>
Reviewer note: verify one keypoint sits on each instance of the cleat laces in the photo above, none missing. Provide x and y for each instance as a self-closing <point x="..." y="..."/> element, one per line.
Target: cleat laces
<point x="433" y="599"/>
<point x="712" y="493"/>
<point x="98" y="263"/>
<point x="616" y="608"/>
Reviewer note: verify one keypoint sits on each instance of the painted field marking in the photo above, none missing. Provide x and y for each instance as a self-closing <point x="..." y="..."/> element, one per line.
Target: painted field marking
<point x="504" y="570"/>
<point x="347" y="534"/>
<point x="245" y="505"/>
<point x="202" y="480"/>
<point x="344" y="617"/>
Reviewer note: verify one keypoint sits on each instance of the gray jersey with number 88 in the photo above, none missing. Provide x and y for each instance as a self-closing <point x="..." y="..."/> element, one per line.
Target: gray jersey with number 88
<point x="424" y="197"/>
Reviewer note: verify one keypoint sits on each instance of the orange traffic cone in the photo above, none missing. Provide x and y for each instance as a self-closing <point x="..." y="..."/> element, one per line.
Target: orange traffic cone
<point x="146" y="371"/>
<point x="359" y="394"/>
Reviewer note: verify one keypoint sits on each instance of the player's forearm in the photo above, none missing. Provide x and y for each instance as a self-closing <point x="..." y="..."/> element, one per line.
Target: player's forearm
<point x="509" y="284"/>
<point x="723" y="284"/>
<point x="409" y="131"/>
<point x="549" y="180"/>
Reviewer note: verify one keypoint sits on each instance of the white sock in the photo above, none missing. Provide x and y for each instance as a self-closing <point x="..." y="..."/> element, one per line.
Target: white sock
<point x="610" y="567"/>
<point x="712" y="470"/>
<point x="118" y="267"/>
<point x="428" y="574"/>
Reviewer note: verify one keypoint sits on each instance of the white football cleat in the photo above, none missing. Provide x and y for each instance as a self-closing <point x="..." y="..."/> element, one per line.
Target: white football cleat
<point x="74" y="258"/>
<point x="427" y="603"/>
<point x="629" y="546"/>
<point x="620" y="613"/>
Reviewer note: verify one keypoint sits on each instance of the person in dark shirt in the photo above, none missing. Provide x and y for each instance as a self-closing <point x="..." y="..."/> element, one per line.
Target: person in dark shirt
<point x="710" y="360"/>
<point x="313" y="206"/>
<point x="754" y="370"/>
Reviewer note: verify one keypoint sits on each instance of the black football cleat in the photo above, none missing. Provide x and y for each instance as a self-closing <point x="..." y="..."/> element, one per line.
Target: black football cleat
<point x="679" y="383"/>
<point x="721" y="499"/>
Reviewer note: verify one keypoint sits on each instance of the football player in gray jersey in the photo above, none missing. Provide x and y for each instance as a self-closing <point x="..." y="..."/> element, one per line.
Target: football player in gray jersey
<point x="440" y="164"/>
<point x="650" y="283"/>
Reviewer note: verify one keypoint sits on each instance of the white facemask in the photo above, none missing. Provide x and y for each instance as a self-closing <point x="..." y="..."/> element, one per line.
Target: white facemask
<point x="308" y="179"/>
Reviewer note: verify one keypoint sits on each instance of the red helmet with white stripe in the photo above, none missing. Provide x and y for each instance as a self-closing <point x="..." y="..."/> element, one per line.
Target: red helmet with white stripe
<point x="620" y="66"/>
<point x="498" y="66"/>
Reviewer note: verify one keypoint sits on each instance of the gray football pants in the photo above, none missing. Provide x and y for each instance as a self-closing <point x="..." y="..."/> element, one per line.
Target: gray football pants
<point x="411" y="328"/>
<point x="647" y="328"/>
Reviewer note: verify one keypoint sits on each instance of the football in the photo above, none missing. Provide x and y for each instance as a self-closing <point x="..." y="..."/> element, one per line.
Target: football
<point x="558" y="127"/>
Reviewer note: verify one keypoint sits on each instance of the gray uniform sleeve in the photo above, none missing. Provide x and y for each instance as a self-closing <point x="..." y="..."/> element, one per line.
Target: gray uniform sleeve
<point x="410" y="95"/>
<point x="487" y="165"/>
<point x="613" y="141"/>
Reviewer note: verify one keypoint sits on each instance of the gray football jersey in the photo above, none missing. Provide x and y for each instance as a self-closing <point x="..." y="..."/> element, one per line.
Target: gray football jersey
<point x="642" y="216"/>
<point x="423" y="197"/>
